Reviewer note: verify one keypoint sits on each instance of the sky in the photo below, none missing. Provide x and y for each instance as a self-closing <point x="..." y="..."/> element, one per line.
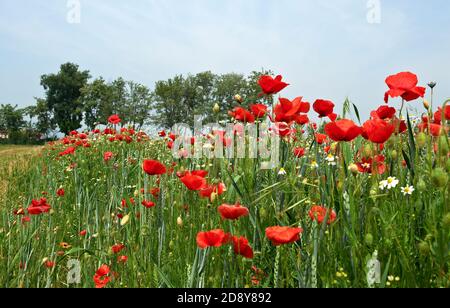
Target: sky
<point x="326" y="49"/>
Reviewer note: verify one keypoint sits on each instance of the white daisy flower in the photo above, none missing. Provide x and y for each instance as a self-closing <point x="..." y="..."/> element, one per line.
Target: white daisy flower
<point x="392" y="182"/>
<point x="408" y="190"/>
<point x="282" y="172"/>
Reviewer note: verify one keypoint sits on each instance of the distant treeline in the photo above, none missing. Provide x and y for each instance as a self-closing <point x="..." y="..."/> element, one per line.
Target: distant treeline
<point x="73" y="100"/>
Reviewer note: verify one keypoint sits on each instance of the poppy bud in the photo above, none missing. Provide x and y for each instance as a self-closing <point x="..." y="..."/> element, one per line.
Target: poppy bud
<point x="216" y="108"/>
<point x="179" y="221"/>
<point x="432" y="84"/>
<point x="368" y="239"/>
<point x="238" y="99"/>
<point x="263" y="213"/>
<point x="421" y="185"/>
<point x="394" y="154"/>
<point x="443" y="146"/>
<point x="368" y="150"/>
<point x="424" y="248"/>
<point x="421" y="139"/>
<point x="373" y="192"/>
<point x="439" y="177"/>
<point x="353" y="168"/>
<point x="426" y="104"/>
<point x="446" y="220"/>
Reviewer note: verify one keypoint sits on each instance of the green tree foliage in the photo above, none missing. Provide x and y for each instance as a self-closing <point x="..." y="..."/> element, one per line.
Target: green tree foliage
<point x="63" y="91"/>
<point x="11" y="122"/>
<point x="178" y="99"/>
<point x="132" y="101"/>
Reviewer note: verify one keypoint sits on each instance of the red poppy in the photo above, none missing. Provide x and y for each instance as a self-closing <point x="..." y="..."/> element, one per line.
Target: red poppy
<point x="60" y="192"/>
<point x="321" y="138"/>
<point x="38" y="207"/>
<point x="117" y="248"/>
<point x="162" y="133"/>
<point x="148" y="204"/>
<point x="242" y="115"/>
<point x="49" y="264"/>
<point x="107" y="156"/>
<point x="283" y="235"/>
<point x="258" y="110"/>
<point x="114" y="119"/>
<point x="214" y="238"/>
<point x="299" y="152"/>
<point x="208" y="191"/>
<point x="153" y="167"/>
<point x="343" y="130"/>
<point x="289" y="111"/>
<point x="101" y="278"/>
<point x="436" y="130"/>
<point x="122" y="259"/>
<point x="319" y="213"/>
<point x="83" y="233"/>
<point x="384" y="112"/>
<point x="369" y="165"/>
<point x="200" y="173"/>
<point x="447" y="112"/>
<point x="68" y="151"/>
<point x="377" y="131"/>
<point x="404" y="85"/>
<point x="193" y="182"/>
<point x="242" y="247"/>
<point x="155" y="192"/>
<point x="232" y="212"/>
<point x="324" y="108"/>
<point x="270" y="85"/>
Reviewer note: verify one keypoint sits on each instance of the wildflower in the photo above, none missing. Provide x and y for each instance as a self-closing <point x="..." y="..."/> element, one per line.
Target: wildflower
<point x="282" y="172"/>
<point x="270" y="85"/>
<point x="404" y="85"/>
<point x="291" y="111"/>
<point x="39" y="207"/>
<point x="390" y="183"/>
<point x="314" y="165"/>
<point x="114" y="119"/>
<point x="101" y="277"/>
<point x="242" y="247"/>
<point x="117" y="248"/>
<point x="193" y="182"/>
<point x="153" y="167"/>
<point x="122" y="259"/>
<point x="64" y="245"/>
<point x="319" y="213"/>
<point x="242" y="115"/>
<point x="408" y="190"/>
<point x="283" y="235"/>
<point x="148" y="204"/>
<point x="331" y="159"/>
<point x="324" y="108"/>
<point x="258" y="110"/>
<point x="377" y="131"/>
<point x="107" y="156"/>
<point x="343" y="130"/>
<point x="60" y="192"/>
<point x="214" y="238"/>
<point x="232" y="212"/>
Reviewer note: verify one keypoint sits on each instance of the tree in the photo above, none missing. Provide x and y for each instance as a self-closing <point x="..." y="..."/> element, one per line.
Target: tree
<point x="11" y="121"/>
<point x="45" y="123"/>
<point x="97" y="100"/>
<point x="63" y="91"/>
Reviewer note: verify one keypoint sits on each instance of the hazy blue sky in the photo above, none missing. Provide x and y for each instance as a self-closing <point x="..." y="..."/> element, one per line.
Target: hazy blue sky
<point x="325" y="49"/>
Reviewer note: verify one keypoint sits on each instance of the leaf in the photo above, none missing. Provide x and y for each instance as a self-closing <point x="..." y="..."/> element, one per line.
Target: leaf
<point x="408" y="162"/>
<point x="357" y="113"/>
<point x="412" y="144"/>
